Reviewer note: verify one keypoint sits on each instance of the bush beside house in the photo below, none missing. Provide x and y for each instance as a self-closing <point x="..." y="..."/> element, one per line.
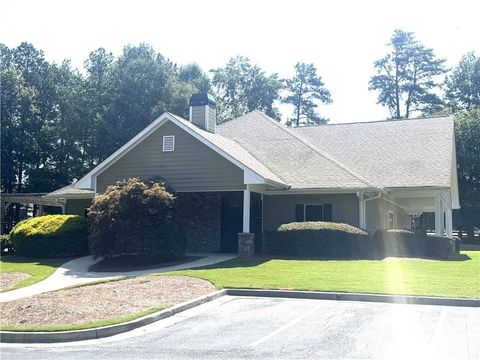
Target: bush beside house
<point x="135" y="218"/>
<point x="51" y="236"/>
<point x="318" y="239"/>
<point x="408" y="243"/>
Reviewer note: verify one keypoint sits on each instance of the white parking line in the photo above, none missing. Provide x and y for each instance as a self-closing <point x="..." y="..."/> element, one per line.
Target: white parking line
<point x="436" y="333"/>
<point x="283" y="328"/>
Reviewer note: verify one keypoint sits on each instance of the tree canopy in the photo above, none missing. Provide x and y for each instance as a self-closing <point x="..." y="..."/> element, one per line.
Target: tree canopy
<point x="463" y="85"/>
<point x="305" y="91"/>
<point x="241" y="87"/>
<point x="58" y="123"/>
<point x="406" y="78"/>
<point x="467" y="134"/>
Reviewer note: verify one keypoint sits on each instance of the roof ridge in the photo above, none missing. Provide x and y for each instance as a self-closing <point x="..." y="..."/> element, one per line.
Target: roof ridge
<point x="376" y="121"/>
<point x="326" y="156"/>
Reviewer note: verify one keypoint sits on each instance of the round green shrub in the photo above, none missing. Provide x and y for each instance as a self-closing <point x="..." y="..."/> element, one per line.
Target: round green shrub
<point x="134" y="218"/>
<point x="51" y="236"/>
<point x="318" y="239"/>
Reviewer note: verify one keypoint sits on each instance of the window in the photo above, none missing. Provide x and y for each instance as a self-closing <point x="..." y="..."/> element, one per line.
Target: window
<point x="390" y="219"/>
<point x="313" y="212"/>
<point x="169" y="143"/>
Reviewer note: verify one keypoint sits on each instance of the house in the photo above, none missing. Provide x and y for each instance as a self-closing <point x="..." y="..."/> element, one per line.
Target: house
<point x="252" y="174"/>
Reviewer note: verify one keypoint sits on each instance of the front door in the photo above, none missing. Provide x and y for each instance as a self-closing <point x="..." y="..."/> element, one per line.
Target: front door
<point x="232" y="220"/>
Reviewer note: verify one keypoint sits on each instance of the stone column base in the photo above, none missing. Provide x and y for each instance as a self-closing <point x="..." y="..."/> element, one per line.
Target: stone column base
<point x="246" y="244"/>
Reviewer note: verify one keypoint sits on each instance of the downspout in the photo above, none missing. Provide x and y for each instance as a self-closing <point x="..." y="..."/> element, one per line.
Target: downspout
<point x="363" y="207"/>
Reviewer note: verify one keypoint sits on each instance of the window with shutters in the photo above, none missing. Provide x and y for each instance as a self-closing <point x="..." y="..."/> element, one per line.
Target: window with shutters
<point x="313" y="212"/>
<point x="169" y="143"/>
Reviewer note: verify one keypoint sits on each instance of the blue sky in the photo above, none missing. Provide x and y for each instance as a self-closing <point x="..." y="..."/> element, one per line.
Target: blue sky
<point x="342" y="38"/>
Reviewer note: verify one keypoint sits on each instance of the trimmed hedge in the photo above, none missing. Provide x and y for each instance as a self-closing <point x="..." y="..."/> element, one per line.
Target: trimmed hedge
<point x="408" y="243"/>
<point x="51" y="236"/>
<point x="318" y="239"/>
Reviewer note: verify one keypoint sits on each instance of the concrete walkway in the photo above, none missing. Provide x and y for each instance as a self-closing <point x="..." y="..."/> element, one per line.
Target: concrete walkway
<point x="75" y="272"/>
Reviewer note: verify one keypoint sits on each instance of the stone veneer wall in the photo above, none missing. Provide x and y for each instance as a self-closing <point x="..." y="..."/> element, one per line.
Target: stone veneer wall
<point x="201" y="213"/>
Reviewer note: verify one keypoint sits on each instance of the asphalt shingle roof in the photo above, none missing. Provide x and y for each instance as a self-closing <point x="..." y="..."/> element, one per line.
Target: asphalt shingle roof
<point x="299" y="164"/>
<point x="399" y="153"/>
<point x="402" y="153"/>
<point x="69" y="190"/>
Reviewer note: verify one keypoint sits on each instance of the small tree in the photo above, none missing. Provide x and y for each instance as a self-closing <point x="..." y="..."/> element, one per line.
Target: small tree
<point x="134" y="218"/>
<point x="305" y="91"/>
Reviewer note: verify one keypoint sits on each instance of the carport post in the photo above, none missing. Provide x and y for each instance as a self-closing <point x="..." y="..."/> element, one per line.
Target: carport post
<point x="448" y="222"/>
<point x="245" y="238"/>
<point x="439" y="225"/>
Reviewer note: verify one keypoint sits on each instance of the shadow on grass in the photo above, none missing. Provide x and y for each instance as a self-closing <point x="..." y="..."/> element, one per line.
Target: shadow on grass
<point x="134" y="263"/>
<point x="16" y="259"/>
<point x="261" y="259"/>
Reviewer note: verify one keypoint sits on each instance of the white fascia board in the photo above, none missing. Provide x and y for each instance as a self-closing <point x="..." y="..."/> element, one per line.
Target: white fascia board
<point x="312" y="191"/>
<point x="250" y="178"/>
<point x="454" y="178"/>
<point x="427" y="191"/>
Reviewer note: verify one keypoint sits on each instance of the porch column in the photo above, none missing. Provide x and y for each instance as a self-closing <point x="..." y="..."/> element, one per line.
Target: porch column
<point x="361" y="210"/>
<point x="439" y="225"/>
<point x="246" y="211"/>
<point x="448" y="222"/>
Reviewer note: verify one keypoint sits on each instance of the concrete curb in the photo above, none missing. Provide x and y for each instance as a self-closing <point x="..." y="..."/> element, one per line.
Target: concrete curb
<point x="396" y="299"/>
<point x="104" y="331"/>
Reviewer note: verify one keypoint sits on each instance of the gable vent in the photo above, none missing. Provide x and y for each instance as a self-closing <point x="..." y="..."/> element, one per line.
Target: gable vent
<point x="169" y="143"/>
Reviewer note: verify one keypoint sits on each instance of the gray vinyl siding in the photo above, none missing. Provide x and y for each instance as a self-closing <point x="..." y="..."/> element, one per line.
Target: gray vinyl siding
<point x="198" y="116"/>
<point x="280" y="209"/>
<point x="77" y="206"/>
<point x="402" y="219"/>
<point x="376" y="214"/>
<point x="192" y="166"/>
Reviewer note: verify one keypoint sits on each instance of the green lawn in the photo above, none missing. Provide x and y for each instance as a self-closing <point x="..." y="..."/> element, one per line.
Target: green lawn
<point x="38" y="268"/>
<point x="456" y="277"/>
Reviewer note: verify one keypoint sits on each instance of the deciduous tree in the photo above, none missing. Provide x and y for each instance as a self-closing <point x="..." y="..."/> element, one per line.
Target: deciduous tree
<point x="463" y="85"/>
<point x="241" y="87"/>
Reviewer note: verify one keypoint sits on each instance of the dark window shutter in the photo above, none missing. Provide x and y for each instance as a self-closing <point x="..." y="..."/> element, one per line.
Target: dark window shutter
<point x="327" y="212"/>
<point x="299" y="213"/>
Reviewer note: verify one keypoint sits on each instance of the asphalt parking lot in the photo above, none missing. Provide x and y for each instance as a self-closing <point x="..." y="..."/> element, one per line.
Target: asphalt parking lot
<point x="271" y="328"/>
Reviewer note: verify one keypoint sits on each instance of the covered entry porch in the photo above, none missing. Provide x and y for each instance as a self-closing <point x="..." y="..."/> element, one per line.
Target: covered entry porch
<point x="214" y="220"/>
<point x="439" y="202"/>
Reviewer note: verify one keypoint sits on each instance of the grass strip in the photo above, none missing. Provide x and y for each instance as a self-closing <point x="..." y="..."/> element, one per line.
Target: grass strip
<point x="82" y="326"/>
